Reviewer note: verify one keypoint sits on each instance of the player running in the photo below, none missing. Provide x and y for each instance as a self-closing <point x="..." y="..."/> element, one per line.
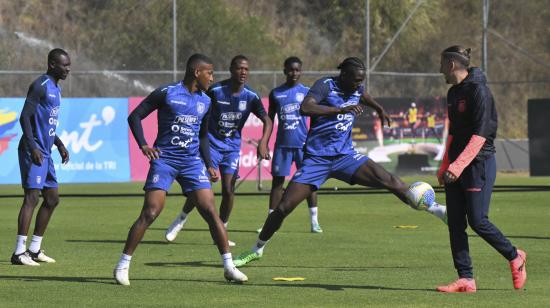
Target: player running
<point x="181" y="142"/>
<point x="332" y="103"/>
<point x="232" y="103"/>
<point x="285" y="101"/>
<point x="468" y="169"/>
<point x="39" y="122"/>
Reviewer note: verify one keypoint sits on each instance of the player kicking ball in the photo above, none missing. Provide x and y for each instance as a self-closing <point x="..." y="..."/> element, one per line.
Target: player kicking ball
<point x="181" y="152"/>
<point x="333" y="103"/>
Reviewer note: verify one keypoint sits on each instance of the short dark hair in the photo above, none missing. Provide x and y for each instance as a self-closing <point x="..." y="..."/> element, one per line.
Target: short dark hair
<point x="236" y="59"/>
<point x="290" y="60"/>
<point x="457" y="53"/>
<point x="351" y="63"/>
<point x="55" y="53"/>
<point x="193" y="62"/>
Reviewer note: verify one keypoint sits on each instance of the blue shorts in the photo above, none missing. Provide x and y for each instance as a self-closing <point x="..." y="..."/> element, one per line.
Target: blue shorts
<point x="35" y="176"/>
<point x="316" y="170"/>
<point x="283" y="158"/>
<point x="191" y="174"/>
<point x="226" y="162"/>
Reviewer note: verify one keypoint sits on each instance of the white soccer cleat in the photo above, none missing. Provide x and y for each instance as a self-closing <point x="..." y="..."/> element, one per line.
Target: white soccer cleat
<point x="121" y="276"/>
<point x="231" y="243"/>
<point x="232" y="274"/>
<point x="175" y="228"/>
<point x="40" y="257"/>
<point x="23" y="259"/>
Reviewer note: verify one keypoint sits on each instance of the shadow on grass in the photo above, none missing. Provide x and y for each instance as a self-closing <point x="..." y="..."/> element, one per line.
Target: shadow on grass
<point x="525" y="237"/>
<point x="141" y="243"/>
<point x="102" y="280"/>
<point x="205" y="230"/>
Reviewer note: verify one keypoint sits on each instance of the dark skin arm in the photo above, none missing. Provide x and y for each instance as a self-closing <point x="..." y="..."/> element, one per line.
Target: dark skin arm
<point x="310" y="107"/>
<point x="263" y="148"/>
<point x="367" y="100"/>
<point x="62" y="150"/>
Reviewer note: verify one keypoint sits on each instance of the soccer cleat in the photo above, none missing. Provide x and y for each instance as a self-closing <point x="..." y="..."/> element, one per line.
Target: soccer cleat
<point x="121" y="276"/>
<point x="175" y="228"/>
<point x="40" y="257"/>
<point x="316" y="228"/>
<point x="23" y="259"/>
<point x="259" y="230"/>
<point x="229" y="243"/>
<point x="247" y="257"/>
<point x="519" y="273"/>
<point x="461" y="285"/>
<point x="232" y="274"/>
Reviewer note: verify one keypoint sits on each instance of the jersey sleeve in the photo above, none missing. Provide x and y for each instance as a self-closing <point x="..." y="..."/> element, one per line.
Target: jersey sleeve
<point x="34" y="95"/>
<point x="272" y="110"/>
<point x="204" y="141"/>
<point x="257" y="107"/>
<point x="319" y="91"/>
<point x="152" y="102"/>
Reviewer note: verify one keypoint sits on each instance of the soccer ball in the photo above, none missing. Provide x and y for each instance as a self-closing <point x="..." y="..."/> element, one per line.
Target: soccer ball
<point x="421" y="195"/>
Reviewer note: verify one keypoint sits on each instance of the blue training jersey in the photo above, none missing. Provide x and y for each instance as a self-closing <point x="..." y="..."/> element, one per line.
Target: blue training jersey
<point x="44" y="98"/>
<point x="180" y="114"/>
<point x="331" y="135"/>
<point x="229" y="113"/>
<point x="286" y="102"/>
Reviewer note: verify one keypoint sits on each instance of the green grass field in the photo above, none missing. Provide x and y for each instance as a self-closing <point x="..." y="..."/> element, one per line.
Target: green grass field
<point x="361" y="259"/>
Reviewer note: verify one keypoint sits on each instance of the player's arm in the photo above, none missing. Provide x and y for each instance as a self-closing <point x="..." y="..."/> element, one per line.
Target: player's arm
<point x="62" y="150"/>
<point x="35" y="93"/>
<point x="148" y="105"/>
<point x="481" y="128"/>
<point x="367" y="100"/>
<point x="263" y="144"/>
<point x="320" y="90"/>
<point x="204" y="147"/>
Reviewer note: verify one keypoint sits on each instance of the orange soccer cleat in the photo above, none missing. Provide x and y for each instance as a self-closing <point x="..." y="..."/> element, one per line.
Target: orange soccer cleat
<point x="460" y="285"/>
<point x="519" y="273"/>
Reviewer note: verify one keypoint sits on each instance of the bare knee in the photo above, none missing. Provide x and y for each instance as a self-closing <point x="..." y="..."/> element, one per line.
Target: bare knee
<point x="149" y="214"/>
<point x="51" y="201"/>
<point x="31" y="199"/>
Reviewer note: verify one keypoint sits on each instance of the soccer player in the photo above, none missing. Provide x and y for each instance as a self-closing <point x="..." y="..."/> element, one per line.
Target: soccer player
<point x="39" y="122"/>
<point x="332" y="103"/>
<point x="232" y="103"/>
<point x="468" y="169"/>
<point x="285" y="101"/>
<point x="412" y="113"/>
<point x="430" y="123"/>
<point x="181" y="152"/>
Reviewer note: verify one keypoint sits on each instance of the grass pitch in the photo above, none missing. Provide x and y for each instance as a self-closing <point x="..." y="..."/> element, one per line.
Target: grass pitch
<point x="361" y="259"/>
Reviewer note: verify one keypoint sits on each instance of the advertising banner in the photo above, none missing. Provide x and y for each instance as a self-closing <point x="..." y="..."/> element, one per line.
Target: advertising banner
<point x="94" y="131"/>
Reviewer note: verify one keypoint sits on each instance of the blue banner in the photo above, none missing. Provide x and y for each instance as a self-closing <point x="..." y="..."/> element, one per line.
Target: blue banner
<point x="94" y="131"/>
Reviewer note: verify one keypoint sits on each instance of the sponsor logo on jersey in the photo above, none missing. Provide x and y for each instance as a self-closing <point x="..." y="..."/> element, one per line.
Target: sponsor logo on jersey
<point x="242" y="105"/>
<point x="224" y="103"/>
<point x="299" y="97"/>
<point x="200" y="107"/>
<point x="52" y="95"/>
<point x="280" y="96"/>
<point x="173" y="101"/>
<point x="176" y="140"/>
<point x="54" y="112"/>
<point x="290" y="108"/>
<point x="231" y="116"/>
<point x="203" y="177"/>
<point x="186" y="119"/>
<point x="292" y="126"/>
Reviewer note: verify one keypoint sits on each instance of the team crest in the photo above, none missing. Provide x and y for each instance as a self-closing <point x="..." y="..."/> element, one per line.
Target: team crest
<point x="200" y="107"/>
<point x="461" y="105"/>
<point x="155" y="178"/>
<point x="38" y="179"/>
<point x="242" y="105"/>
<point x="299" y="97"/>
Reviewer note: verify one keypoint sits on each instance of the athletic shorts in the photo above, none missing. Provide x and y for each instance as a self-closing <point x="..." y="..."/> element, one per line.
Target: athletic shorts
<point x="226" y="162"/>
<point x="35" y="176"/>
<point x="283" y="158"/>
<point x="316" y="170"/>
<point x="190" y="173"/>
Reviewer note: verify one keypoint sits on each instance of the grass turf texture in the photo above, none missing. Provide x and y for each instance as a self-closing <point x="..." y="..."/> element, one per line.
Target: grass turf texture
<point x="360" y="259"/>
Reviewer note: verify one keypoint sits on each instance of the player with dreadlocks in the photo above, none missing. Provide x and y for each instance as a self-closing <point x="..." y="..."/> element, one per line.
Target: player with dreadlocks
<point x="333" y="103"/>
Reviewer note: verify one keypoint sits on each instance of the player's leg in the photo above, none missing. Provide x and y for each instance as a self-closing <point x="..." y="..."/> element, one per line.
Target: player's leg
<point x="228" y="196"/>
<point x="298" y="158"/>
<point x="458" y="237"/>
<point x="204" y="200"/>
<point x="372" y="174"/>
<point x="50" y="202"/>
<point x="478" y="180"/>
<point x="179" y="221"/>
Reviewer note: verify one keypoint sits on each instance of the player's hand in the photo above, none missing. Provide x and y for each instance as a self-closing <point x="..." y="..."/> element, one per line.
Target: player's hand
<point x="449" y="178"/>
<point x="64" y="154"/>
<point x="213" y="174"/>
<point x="150" y="153"/>
<point x="263" y="151"/>
<point x="36" y="157"/>
<point x="384" y="117"/>
<point x="355" y="109"/>
<point x="440" y="179"/>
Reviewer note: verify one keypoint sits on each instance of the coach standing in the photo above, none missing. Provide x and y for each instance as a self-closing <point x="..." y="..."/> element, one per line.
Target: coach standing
<point x="468" y="169"/>
<point x="39" y="121"/>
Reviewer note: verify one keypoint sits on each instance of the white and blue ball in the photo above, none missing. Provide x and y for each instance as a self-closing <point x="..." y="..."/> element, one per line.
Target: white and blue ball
<point x="421" y="195"/>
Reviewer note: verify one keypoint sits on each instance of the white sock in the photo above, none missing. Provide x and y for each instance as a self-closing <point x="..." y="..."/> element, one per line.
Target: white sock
<point x="270" y="211"/>
<point x="259" y="247"/>
<point x="124" y="261"/>
<point x="313" y="214"/>
<point x="227" y="260"/>
<point x="20" y="244"/>
<point x="437" y="210"/>
<point x="225" y="225"/>
<point x="36" y="241"/>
